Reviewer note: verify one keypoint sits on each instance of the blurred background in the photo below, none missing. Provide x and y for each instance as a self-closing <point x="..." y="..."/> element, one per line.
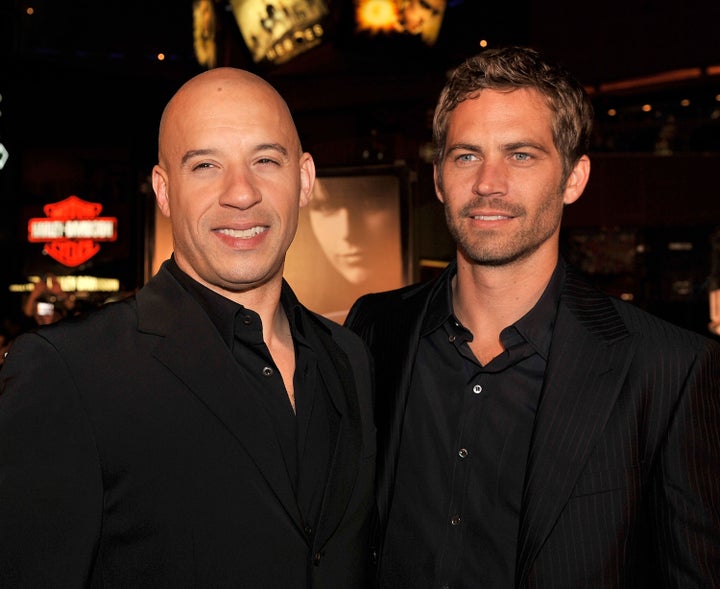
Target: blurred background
<point x="83" y="84"/>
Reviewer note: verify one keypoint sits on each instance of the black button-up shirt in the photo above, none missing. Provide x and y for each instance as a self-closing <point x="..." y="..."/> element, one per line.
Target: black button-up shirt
<point x="307" y="435"/>
<point x="454" y="518"/>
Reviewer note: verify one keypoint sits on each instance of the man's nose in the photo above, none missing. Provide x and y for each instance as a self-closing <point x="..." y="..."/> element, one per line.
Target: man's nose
<point x="240" y="190"/>
<point x="490" y="178"/>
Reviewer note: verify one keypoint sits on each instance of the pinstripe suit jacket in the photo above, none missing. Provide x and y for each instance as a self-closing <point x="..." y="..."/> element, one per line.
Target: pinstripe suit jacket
<point x="623" y="476"/>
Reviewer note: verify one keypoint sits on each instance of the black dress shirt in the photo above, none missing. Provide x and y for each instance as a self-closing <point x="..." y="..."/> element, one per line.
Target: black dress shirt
<point x="307" y="435"/>
<point x="454" y="518"/>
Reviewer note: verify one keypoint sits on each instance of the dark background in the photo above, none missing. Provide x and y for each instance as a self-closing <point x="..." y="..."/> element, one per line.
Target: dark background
<point x="82" y="92"/>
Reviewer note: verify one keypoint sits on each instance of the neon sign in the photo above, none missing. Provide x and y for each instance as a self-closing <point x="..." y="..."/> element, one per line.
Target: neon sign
<point x="72" y="229"/>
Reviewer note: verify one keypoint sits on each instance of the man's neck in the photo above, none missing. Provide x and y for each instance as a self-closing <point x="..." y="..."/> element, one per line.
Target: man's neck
<point x="486" y="299"/>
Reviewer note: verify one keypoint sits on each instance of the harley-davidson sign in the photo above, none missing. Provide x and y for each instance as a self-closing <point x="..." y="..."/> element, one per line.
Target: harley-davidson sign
<point x="72" y="229"/>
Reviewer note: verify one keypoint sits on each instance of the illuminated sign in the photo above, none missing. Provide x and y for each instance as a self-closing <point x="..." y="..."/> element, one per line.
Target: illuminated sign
<point x="204" y="27"/>
<point x="276" y="31"/>
<point x="420" y="18"/>
<point x="72" y="284"/>
<point x="4" y="155"/>
<point x="72" y="229"/>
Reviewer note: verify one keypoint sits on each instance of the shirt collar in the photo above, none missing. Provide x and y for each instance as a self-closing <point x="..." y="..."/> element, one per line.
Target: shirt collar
<point x="223" y="312"/>
<point x="536" y="326"/>
<point x="295" y="312"/>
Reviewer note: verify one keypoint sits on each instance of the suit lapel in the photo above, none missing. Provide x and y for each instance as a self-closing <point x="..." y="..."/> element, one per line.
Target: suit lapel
<point x="393" y="341"/>
<point x="588" y="361"/>
<point x="337" y="373"/>
<point x="193" y="350"/>
<point x="394" y="344"/>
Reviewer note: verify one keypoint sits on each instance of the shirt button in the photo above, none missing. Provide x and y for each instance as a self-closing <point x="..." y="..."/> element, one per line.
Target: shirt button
<point x="316" y="558"/>
<point x="308" y="530"/>
<point x="451" y="339"/>
<point x="463" y="453"/>
<point x="247" y="320"/>
<point x="267" y="371"/>
<point x="455" y="520"/>
<point x="477" y="389"/>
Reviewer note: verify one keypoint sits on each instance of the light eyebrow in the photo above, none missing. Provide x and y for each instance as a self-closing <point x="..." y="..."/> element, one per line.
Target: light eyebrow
<point x="463" y="147"/>
<point x="515" y="145"/>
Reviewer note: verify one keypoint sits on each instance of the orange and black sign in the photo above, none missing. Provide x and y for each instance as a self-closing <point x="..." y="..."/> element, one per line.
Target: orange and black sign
<point x="72" y="230"/>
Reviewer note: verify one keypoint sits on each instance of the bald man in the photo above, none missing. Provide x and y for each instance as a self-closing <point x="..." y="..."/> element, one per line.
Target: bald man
<point x="209" y="431"/>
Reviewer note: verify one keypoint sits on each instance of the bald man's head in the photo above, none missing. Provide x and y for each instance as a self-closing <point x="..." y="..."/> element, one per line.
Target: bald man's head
<point x="206" y="93"/>
<point x="231" y="177"/>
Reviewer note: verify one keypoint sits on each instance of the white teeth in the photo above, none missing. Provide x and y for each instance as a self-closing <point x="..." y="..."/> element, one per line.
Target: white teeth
<point x="245" y="233"/>
<point x="490" y="217"/>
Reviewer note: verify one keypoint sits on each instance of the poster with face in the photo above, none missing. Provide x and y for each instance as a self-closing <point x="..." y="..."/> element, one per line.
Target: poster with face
<point x="349" y="242"/>
<point x="275" y="31"/>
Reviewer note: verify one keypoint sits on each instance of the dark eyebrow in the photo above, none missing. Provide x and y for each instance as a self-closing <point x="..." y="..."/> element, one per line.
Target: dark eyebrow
<point x="203" y="152"/>
<point x="273" y="146"/>
<point x="194" y="153"/>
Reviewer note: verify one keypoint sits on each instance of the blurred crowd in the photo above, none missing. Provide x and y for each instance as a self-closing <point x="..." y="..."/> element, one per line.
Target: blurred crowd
<point x="46" y="303"/>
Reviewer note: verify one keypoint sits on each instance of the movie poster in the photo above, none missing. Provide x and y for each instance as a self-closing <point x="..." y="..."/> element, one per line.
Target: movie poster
<point x="275" y="31"/>
<point x="348" y="243"/>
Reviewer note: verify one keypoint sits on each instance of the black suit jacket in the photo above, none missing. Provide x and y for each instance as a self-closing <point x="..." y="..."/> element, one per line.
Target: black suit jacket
<point x="129" y="458"/>
<point x="623" y="475"/>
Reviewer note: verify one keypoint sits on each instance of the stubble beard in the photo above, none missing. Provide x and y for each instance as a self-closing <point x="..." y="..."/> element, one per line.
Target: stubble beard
<point x="490" y="248"/>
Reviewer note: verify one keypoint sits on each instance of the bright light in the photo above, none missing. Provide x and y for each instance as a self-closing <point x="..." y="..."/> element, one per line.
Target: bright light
<point x="73" y="284"/>
<point x="377" y="15"/>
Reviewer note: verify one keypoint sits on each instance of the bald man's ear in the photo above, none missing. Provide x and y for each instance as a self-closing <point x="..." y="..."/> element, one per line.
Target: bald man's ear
<point x="160" y="187"/>
<point x="307" y="178"/>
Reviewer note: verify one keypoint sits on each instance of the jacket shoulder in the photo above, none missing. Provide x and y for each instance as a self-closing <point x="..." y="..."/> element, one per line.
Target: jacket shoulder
<point x="347" y="339"/>
<point x="610" y="317"/>
<point x="95" y="323"/>
<point x="407" y="301"/>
